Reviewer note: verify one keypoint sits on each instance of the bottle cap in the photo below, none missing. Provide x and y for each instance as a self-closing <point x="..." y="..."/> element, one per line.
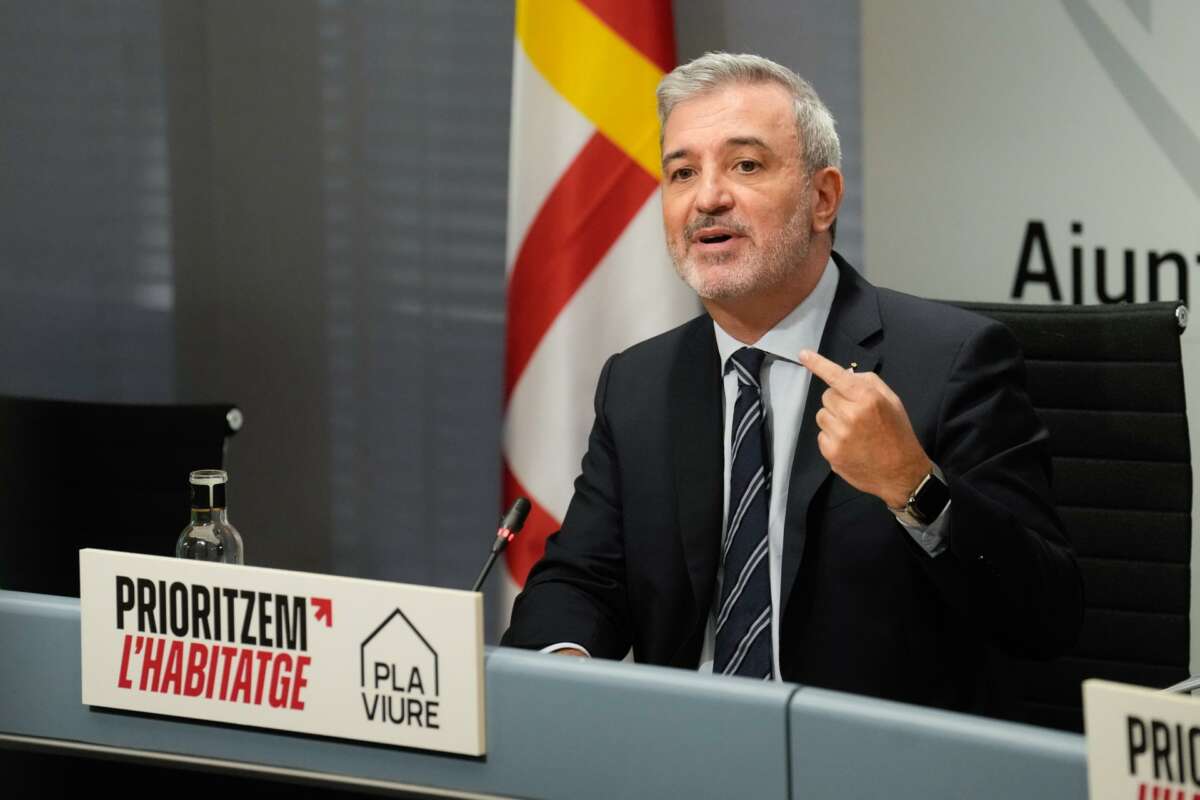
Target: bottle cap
<point x="208" y="488"/>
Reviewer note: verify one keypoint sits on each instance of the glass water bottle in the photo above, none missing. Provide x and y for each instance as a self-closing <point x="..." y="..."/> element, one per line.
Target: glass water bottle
<point x="209" y="536"/>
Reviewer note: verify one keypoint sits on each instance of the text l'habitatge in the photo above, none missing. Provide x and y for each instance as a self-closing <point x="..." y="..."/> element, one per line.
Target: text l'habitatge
<point x="241" y="647"/>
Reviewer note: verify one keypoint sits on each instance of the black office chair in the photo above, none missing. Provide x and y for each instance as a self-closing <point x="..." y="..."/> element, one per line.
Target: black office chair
<point x="105" y="475"/>
<point x="1108" y="382"/>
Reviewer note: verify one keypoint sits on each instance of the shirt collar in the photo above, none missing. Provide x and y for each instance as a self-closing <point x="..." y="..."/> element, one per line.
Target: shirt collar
<point x="800" y="329"/>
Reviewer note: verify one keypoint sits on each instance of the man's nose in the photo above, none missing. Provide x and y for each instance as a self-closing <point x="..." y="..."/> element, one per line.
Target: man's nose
<point x="713" y="196"/>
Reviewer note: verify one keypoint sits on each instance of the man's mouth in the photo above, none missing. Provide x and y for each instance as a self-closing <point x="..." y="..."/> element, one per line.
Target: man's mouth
<point x="714" y="234"/>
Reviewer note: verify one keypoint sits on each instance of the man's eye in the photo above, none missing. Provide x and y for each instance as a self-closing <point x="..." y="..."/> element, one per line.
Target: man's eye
<point x="746" y="167"/>
<point x="682" y="174"/>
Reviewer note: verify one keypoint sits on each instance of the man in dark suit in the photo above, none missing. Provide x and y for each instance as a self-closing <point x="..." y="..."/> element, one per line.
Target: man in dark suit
<point x="817" y="480"/>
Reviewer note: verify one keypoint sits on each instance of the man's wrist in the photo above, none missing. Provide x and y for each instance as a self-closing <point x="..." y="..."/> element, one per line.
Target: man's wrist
<point x="926" y="502"/>
<point x="898" y="500"/>
<point x="567" y="649"/>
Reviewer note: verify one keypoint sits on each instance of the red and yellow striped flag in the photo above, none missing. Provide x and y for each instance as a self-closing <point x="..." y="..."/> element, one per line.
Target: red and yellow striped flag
<point x="588" y="272"/>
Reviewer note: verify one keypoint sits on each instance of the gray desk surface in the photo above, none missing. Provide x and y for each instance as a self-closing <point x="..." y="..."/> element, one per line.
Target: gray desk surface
<point x="561" y="727"/>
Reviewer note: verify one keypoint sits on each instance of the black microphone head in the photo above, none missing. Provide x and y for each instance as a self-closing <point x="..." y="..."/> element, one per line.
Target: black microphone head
<point x="514" y="520"/>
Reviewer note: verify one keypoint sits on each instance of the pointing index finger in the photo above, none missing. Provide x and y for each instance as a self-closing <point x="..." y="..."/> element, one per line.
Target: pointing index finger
<point x="823" y="368"/>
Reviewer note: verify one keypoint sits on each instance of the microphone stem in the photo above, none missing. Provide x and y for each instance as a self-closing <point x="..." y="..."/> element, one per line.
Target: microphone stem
<point x="487" y="567"/>
<point x="510" y="525"/>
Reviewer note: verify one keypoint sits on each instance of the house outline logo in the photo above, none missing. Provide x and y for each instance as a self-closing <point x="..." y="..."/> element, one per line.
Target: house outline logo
<point x="362" y="659"/>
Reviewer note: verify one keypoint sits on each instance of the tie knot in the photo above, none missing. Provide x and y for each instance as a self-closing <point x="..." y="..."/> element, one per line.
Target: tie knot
<point x="748" y="362"/>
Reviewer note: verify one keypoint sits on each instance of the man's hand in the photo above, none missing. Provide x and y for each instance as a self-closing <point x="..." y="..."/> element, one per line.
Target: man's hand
<point x="865" y="434"/>
<point x="570" y="651"/>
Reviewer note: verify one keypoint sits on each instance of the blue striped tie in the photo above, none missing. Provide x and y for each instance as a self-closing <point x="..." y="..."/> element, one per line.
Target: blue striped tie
<point x="743" y="640"/>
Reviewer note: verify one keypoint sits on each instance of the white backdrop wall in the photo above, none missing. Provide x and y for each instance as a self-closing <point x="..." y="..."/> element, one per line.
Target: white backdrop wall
<point x="1000" y="139"/>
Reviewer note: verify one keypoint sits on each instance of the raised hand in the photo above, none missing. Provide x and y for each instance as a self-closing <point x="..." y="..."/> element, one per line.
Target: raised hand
<point x="865" y="433"/>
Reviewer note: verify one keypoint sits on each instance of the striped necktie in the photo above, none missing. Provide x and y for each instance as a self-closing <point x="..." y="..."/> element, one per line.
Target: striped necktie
<point x="743" y="630"/>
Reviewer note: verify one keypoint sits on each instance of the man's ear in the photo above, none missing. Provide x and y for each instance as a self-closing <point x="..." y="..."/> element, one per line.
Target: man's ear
<point x="827" y="186"/>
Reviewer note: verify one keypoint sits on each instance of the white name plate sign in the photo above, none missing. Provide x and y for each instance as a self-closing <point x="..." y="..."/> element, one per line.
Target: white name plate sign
<point x="355" y="659"/>
<point x="1141" y="744"/>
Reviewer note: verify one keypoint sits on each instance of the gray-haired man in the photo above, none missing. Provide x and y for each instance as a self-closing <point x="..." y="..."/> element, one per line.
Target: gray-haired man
<point x="868" y="529"/>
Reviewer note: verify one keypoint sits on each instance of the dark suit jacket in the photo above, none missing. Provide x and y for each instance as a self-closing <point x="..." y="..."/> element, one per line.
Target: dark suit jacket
<point x="865" y="609"/>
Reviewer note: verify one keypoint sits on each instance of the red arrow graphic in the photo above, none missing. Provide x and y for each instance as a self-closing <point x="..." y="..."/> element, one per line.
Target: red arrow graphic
<point x="324" y="606"/>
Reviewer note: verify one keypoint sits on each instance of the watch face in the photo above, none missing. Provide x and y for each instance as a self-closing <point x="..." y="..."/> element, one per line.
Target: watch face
<point x="929" y="500"/>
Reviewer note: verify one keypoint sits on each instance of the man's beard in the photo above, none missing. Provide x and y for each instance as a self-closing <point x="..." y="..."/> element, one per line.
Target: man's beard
<point x="762" y="268"/>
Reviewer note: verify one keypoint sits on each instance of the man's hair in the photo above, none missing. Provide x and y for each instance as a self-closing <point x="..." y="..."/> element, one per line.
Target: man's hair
<point x="818" y="137"/>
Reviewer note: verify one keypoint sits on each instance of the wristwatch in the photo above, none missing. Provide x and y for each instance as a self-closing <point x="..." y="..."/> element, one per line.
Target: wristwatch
<point x="926" y="502"/>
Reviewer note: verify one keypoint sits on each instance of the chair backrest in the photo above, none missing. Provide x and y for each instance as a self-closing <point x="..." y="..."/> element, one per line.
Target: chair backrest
<point x="1108" y="383"/>
<point x="76" y="475"/>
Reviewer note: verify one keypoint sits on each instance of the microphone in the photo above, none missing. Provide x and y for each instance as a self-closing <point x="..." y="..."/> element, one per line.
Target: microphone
<point x="510" y="525"/>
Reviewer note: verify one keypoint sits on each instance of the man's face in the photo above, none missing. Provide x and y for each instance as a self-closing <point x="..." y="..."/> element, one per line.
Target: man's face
<point x="736" y="205"/>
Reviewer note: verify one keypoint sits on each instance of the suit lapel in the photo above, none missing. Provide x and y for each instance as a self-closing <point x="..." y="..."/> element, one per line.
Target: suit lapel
<point x="696" y="437"/>
<point x="849" y="337"/>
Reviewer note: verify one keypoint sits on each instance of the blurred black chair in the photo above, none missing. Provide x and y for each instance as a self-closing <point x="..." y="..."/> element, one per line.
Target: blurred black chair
<point x="113" y="476"/>
<point x="1108" y="383"/>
